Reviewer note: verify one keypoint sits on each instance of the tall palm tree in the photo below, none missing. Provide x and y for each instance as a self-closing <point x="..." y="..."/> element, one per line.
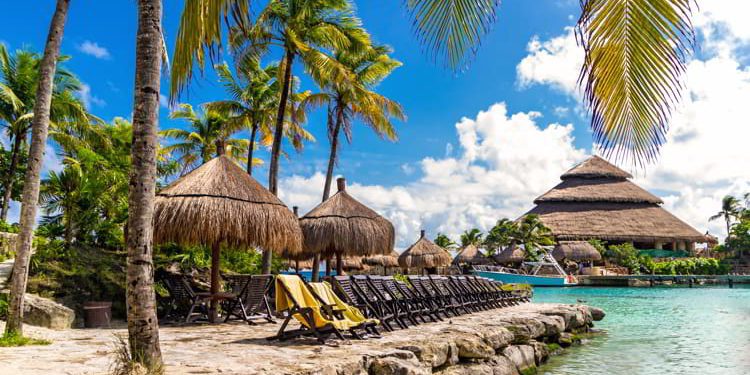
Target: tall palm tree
<point x="730" y="209"/>
<point x="210" y="135"/>
<point x="39" y="127"/>
<point x="60" y="196"/>
<point x="143" y="326"/>
<point x="445" y="242"/>
<point x="19" y="79"/>
<point x="500" y="236"/>
<point x="471" y="237"/>
<point x="532" y="234"/>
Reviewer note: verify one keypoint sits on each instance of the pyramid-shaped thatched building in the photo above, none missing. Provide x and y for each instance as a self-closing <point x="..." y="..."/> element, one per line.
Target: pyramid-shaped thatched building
<point x="596" y="200"/>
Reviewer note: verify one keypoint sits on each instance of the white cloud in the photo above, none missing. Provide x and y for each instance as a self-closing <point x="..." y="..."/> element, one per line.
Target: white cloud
<point x="705" y="156"/>
<point x="88" y="98"/>
<point x="555" y="62"/>
<point x="504" y="161"/>
<point x="94" y="49"/>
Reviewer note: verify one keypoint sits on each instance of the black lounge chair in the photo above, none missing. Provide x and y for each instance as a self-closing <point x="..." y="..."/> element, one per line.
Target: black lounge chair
<point x="453" y="300"/>
<point x="389" y="302"/>
<point x="423" y="305"/>
<point x="252" y="298"/>
<point x="425" y="289"/>
<point x="184" y="303"/>
<point x="409" y="308"/>
<point x="381" y="308"/>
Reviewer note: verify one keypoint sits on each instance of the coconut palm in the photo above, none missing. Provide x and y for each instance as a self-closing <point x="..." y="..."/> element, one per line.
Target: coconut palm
<point x="19" y="79"/>
<point x="730" y="209"/>
<point x="143" y="325"/>
<point x="533" y="235"/>
<point x="353" y="99"/>
<point x="500" y="236"/>
<point x="209" y="135"/>
<point x="39" y="126"/>
<point x="471" y="237"/>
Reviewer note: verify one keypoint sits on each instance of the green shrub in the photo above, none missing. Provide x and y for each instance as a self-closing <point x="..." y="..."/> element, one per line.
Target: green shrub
<point x="18" y="340"/>
<point x="691" y="266"/>
<point x="3" y="306"/>
<point x="624" y="255"/>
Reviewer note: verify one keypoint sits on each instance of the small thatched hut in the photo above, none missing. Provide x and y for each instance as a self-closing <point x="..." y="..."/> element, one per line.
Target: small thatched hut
<point x="596" y="200"/>
<point x="343" y="226"/>
<point x="425" y="256"/>
<point x="577" y="251"/>
<point x="512" y="256"/>
<point x="349" y="264"/>
<point x="382" y="264"/>
<point x="220" y="204"/>
<point x="470" y="254"/>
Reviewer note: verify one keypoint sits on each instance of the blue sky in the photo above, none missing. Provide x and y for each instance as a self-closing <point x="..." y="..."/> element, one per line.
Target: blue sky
<point x="478" y="145"/>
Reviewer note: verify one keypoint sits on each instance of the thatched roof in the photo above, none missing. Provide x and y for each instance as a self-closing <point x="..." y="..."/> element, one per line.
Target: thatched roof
<point x="470" y="255"/>
<point x="596" y="167"/>
<point x="350" y="264"/>
<point x="640" y="222"/>
<point x="424" y="254"/>
<point x="595" y="200"/>
<point x="219" y="203"/>
<point x="515" y="256"/>
<point x="303" y="264"/>
<point x="342" y="224"/>
<point x="575" y="251"/>
<point x="598" y="190"/>
<point x="390" y="260"/>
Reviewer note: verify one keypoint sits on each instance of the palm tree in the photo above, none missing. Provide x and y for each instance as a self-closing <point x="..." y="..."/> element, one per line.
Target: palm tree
<point x="19" y="78"/>
<point x="209" y="135"/>
<point x="471" y="237"/>
<point x="143" y="325"/>
<point x="730" y="209"/>
<point x="60" y="196"/>
<point x="533" y="235"/>
<point x="445" y="242"/>
<point x="40" y="124"/>
<point x="500" y="236"/>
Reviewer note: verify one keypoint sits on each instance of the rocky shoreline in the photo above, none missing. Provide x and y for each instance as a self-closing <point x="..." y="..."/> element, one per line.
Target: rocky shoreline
<point x="506" y="343"/>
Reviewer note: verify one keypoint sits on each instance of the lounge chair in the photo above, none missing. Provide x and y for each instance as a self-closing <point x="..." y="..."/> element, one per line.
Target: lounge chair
<point x="185" y="303"/>
<point x="452" y="300"/>
<point x="341" y="310"/>
<point x="389" y="302"/>
<point x="409" y="309"/>
<point x="252" y="298"/>
<point x="383" y="309"/>
<point x="295" y="299"/>
<point x="429" y="295"/>
<point x="421" y="304"/>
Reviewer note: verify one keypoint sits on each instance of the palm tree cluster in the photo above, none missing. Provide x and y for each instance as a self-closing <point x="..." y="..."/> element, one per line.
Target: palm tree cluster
<point x="736" y="215"/>
<point x="528" y="231"/>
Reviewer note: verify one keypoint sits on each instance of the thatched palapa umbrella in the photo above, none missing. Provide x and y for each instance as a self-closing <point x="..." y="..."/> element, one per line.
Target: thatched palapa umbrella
<point x="424" y="254"/>
<point x="220" y="204"/>
<point x="343" y="226"/>
<point x="576" y="251"/>
<point x="383" y="261"/>
<point x="510" y="256"/>
<point x="350" y="264"/>
<point x="470" y="254"/>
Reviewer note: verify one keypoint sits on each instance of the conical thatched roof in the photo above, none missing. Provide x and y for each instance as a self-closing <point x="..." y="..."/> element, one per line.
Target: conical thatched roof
<point x="219" y="203"/>
<point x="390" y="260"/>
<point x="343" y="225"/>
<point x="576" y="251"/>
<point x="512" y="256"/>
<point x="595" y="200"/>
<point x="424" y="254"/>
<point x="470" y="255"/>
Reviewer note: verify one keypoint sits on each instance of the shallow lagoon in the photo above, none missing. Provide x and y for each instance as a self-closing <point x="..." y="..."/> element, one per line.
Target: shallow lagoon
<point x="661" y="330"/>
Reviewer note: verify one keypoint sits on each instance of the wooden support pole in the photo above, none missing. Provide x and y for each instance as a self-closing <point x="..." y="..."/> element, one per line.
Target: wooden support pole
<point x="215" y="264"/>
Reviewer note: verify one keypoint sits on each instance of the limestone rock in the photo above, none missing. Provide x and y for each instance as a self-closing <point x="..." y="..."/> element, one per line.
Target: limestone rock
<point x="521" y="334"/>
<point x="501" y="365"/>
<point x="553" y="324"/>
<point x="431" y="353"/>
<point x="534" y="327"/>
<point x="497" y="337"/>
<point x="396" y="366"/>
<point x="43" y="312"/>
<point x="597" y="314"/>
<point x="473" y="347"/>
<point x="522" y="356"/>
<point x="472" y="369"/>
<point x="541" y="352"/>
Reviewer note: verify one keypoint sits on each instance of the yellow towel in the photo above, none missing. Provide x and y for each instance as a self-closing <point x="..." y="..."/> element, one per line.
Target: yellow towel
<point x="299" y="293"/>
<point x="325" y="291"/>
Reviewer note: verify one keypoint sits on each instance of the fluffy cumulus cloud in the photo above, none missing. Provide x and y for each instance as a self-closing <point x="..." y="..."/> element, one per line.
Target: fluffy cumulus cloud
<point x="502" y="162"/>
<point x="705" y="155"/>
<point x="88" y="98"/>
<point x="94" y="49"/>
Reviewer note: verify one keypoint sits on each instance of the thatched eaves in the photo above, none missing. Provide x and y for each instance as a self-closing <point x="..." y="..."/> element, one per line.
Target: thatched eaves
<point x="595" y="167"/>
<point x="390" y="260"/>
<point x="343" y="225"/>
<point x="424" y="254"/>
<point x="605" y="189"/>
<point x="576" y="251"/>
<point x="510" y="256"/>
<point x="470" y="254"/>
<point x="219" y="203"/>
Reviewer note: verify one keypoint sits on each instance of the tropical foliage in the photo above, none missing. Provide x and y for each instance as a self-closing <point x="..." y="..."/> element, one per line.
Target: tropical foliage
<point x="445" y="242"/>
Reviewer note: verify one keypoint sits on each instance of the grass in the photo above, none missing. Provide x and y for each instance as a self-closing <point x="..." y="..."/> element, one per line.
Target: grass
<point x="516" y="287"/>
<point x="18" y="340"/>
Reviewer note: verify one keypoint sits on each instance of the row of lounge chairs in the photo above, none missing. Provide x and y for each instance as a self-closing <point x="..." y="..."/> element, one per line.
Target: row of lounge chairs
<point x="356" y="304"/>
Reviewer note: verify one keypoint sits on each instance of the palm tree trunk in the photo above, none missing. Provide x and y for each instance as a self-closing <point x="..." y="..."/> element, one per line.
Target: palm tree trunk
<point x="11" y="174"/>
<point x="251" y="148"/>
<point x="39" y="128"/>
<point x="273" y="168"/>
<point x="143" y="327"/>
<point x="329" y="175"/>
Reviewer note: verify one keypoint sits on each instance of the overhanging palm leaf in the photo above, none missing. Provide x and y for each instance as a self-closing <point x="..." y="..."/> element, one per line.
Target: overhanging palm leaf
<point x="452" y="29"/>
<point x="635" y="58"/>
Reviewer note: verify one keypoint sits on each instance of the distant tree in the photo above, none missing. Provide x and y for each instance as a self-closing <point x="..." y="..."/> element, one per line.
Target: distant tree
<point x="533" y="235"/>
<point x="500" y="236"/>
<point x="445" y="242"/>
<point x="471" y="237"/>
<point x="730" y="210"/>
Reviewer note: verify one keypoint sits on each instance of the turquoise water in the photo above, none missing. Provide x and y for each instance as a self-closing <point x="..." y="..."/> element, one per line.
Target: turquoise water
<point x="662" y="330"/>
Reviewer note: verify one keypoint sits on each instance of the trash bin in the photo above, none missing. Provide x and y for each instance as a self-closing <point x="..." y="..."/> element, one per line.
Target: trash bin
<point x="97" y="314"/>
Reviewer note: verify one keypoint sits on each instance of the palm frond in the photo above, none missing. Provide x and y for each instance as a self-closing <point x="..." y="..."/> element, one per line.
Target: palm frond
<point x="635" y="58"/>
<point x="452" y="29"/>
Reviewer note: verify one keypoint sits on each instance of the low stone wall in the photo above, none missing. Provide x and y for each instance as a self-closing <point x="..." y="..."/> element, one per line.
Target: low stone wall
<point x="508" y="342"/>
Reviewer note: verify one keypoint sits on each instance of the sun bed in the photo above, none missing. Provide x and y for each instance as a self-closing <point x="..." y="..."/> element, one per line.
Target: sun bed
<point x="252" y="298"/>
